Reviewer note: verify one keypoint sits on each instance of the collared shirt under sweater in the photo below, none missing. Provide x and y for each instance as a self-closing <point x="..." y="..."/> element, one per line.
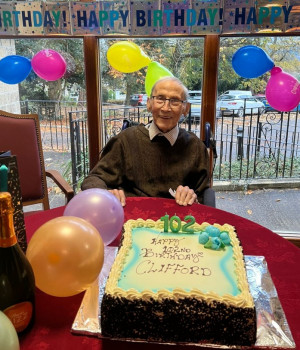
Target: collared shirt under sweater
<point x="149" y="168"/>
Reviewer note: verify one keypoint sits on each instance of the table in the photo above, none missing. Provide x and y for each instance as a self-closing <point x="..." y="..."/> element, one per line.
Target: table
<point x="54" y="316"/>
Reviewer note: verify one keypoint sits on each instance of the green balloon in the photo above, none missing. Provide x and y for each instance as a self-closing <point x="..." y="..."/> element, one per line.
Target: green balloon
<point x="155" y="72"/>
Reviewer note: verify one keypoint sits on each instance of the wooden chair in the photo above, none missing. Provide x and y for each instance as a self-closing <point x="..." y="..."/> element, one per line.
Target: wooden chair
<point x="20" y="133"/>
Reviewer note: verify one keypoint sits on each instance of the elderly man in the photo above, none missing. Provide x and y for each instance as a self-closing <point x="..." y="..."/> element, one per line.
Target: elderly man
<point x="148" y="161"/>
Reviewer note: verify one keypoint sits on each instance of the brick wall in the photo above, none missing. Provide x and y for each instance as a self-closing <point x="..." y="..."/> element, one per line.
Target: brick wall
<point x="9" y="93"/>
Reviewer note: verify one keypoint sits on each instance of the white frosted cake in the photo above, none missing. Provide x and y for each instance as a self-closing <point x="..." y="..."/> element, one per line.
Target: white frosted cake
<point x="187" y="284"/>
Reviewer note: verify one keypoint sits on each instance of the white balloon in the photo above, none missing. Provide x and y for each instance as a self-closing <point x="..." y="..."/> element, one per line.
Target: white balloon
<point x="8" y="336"/>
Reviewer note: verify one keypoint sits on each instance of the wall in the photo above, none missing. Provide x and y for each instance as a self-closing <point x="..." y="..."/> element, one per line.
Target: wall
<point x="9" y="94"/>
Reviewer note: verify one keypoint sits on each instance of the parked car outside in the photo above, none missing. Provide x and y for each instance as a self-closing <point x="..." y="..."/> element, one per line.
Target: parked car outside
<point x="72" y="96"/>
<point x="195" y="94"/>
<point x="195" y="101"/>
<point x="237" y="92"/>
<point x="269" y="108"/>
<point x="296" y="109"/>
<point x="230" y="105"/>
<point x="138" y="100"/>
<point x="263" y="99"/>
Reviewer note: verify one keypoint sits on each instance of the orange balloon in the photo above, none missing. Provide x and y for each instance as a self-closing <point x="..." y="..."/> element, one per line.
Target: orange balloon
<point x="66" y="255"/>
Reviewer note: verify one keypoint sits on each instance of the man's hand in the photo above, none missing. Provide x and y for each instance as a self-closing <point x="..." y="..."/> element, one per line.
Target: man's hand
<point x="185" y="196"/>
<point x="120" y="195"/>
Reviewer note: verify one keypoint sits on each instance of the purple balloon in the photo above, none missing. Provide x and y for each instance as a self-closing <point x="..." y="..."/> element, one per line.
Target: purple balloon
<point x="100" y="208"/>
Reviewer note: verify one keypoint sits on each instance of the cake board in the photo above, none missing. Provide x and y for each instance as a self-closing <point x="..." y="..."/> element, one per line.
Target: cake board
<point x="272" y="328"/>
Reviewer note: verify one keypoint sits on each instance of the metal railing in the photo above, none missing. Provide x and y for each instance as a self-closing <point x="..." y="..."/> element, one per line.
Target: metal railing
<point x="79" y="146"/>
<point x="54" y="121"/>
<point x="63" y="130"/>
<point x="264" y="146"/>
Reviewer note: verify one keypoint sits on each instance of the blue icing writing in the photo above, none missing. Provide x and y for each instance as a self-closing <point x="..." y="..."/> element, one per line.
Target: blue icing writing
<point x="226" y="258"/>
<point x="130" y="265"/>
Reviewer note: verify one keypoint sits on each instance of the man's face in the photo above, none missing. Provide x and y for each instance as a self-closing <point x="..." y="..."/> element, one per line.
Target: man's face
<point x="165" y="115"/>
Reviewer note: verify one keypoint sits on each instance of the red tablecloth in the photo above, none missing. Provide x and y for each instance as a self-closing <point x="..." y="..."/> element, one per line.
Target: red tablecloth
<point x="54" y="316"/>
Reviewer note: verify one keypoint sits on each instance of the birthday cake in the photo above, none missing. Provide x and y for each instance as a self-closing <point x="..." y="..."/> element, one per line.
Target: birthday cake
<point x="176" y="281"/>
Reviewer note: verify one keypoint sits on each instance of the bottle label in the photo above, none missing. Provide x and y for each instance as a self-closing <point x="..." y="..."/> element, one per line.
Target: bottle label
<point x="20" y="315"/>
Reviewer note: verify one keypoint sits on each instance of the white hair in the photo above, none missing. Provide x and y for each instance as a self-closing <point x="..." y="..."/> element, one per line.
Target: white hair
<point x="179" y="82"/>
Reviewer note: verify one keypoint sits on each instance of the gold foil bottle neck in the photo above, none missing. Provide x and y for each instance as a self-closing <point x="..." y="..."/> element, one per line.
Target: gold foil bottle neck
<point x="7" y="230"/>
<point x="5" y="203"/>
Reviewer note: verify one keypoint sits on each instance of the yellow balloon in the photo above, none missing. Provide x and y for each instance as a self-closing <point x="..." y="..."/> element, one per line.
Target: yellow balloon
<point x="66" y="255"/>
<point x="155" y="72"/>
<point x="127" y="57"/>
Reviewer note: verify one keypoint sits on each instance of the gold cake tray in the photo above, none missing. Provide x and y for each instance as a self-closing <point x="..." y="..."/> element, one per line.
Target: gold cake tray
<point x="272" y="328"/>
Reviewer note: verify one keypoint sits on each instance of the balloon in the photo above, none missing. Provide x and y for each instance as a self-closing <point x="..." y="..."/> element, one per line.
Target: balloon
<point x="14" y="69"/>
<point x="127" y="57"/>
<point x="155" y="72"/>
<point x="282" y="90"/>
<point x="8" y="336"/>
<point x="251" y="62"/>
<point x="101" y="208"/>
<point x="66" y="255"/>
<point x="49" y="65"/>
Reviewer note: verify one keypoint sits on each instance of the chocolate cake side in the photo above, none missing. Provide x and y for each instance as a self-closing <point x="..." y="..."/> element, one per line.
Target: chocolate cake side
<point x="185" y="320"/>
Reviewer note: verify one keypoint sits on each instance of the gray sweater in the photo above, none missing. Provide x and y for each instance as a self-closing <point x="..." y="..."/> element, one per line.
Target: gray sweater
<point x="145" y="168"/>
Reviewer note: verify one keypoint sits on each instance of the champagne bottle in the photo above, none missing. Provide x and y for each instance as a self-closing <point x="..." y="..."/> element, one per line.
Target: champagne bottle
<point x="17" y="284"/>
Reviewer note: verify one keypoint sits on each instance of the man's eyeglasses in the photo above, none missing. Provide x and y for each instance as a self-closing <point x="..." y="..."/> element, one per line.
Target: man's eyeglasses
<point x="161" y="100"/>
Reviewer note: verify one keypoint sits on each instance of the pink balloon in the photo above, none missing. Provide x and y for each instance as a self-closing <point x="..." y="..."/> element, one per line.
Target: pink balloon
<point x="100" y="208"/>
<point x="49" y="65"/>
<point x="283" y="90"/>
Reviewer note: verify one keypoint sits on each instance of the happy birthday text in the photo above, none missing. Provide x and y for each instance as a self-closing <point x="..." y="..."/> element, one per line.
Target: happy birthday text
<point x="177" y="15"/>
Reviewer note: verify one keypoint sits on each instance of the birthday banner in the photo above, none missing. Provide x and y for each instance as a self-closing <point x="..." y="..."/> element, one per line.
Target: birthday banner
<point x="149" y="18"/>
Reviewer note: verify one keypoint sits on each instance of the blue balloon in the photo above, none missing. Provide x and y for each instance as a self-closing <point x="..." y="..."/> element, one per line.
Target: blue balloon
<point x="251" y="62"/>
<point x="14" y="69"/>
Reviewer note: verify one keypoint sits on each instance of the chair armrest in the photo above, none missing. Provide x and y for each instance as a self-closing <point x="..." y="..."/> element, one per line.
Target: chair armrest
<point x="209" y="197"/>
<point x="61" y="183"/>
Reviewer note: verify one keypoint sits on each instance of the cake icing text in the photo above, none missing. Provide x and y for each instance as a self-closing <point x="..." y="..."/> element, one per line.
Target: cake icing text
<point x="150" y="258"/>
